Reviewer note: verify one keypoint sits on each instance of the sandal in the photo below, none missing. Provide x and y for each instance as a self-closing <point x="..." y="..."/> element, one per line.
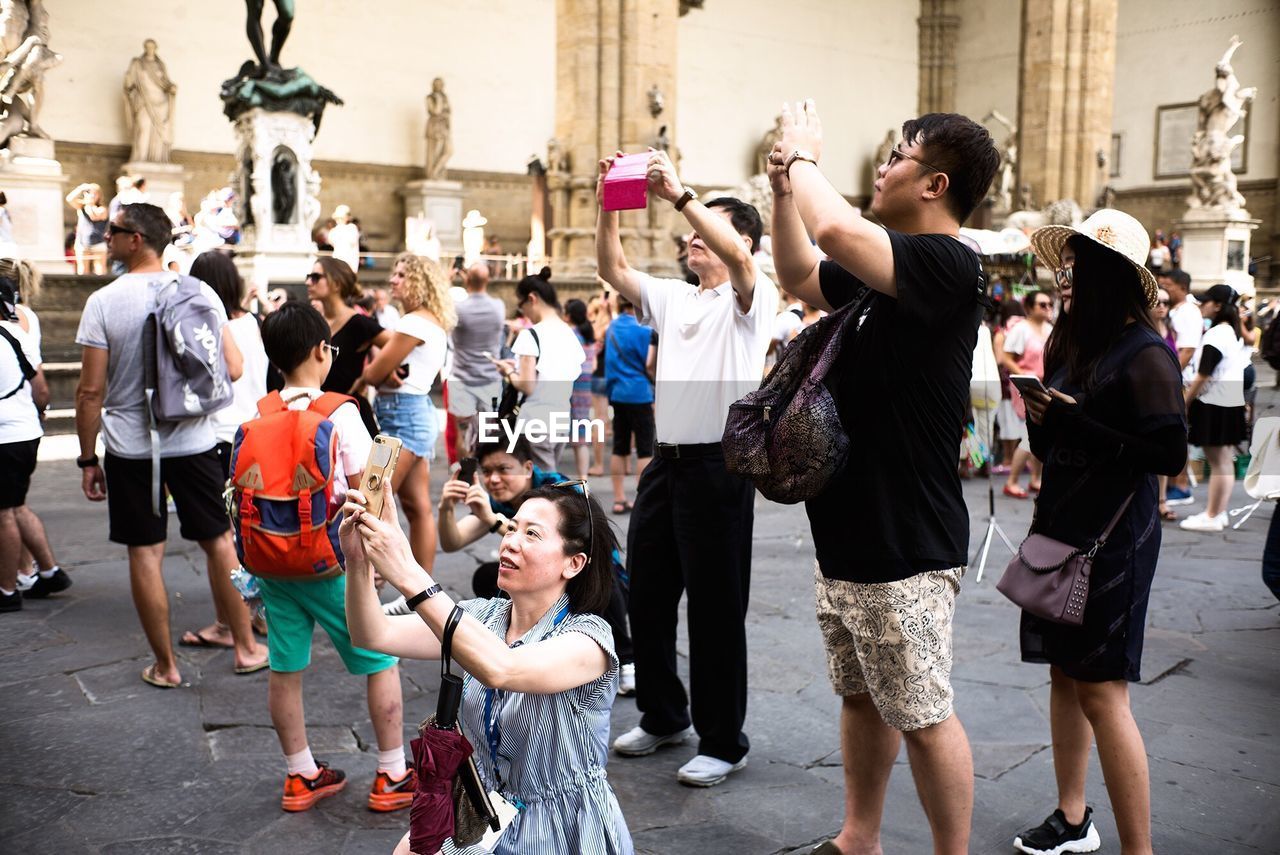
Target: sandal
<point x="255" y="667"/>
<point x="1015" y="492"/>
<point x="193" y="638"/>
<point x="1168" y="515"/>
<point x="623" y="507"/>
<point x="149" y="677"/>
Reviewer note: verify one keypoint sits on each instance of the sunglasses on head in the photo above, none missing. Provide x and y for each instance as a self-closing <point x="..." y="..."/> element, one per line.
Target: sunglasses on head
<point x="585" y="492"/>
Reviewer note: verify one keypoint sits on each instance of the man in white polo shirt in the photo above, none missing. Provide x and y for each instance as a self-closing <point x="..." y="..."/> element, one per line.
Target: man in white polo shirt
<point x="1188" y="328"/>
<point x="691" y="528"/>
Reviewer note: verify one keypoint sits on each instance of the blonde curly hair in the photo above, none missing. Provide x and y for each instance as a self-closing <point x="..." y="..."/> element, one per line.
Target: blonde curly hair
<point x="23" y="273"/>
<point x="426" y="286"/>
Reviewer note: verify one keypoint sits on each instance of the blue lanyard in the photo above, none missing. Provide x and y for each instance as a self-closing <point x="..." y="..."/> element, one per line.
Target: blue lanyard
<point x="493" y="728"/>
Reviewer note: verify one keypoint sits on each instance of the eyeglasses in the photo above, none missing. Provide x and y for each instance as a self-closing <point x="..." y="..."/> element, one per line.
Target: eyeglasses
<point x="895" y="153"/>
<point x="113" y="230"/>
<point x="329" y="347"/>
<point x="1041" y="304"/>
<point x="591" y="523"/>
<point x="314" y="277"/>
<point x="1064" y="276"/>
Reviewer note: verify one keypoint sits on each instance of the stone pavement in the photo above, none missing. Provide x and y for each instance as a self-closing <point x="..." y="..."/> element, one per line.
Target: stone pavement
<point x="93" y="760"/>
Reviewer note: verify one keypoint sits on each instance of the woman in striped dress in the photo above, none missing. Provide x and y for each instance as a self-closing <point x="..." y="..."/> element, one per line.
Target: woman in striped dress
<point x="541" y="668"/>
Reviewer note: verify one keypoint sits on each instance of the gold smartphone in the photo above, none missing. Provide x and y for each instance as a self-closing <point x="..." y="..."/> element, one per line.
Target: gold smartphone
<point x="378" y="471"/>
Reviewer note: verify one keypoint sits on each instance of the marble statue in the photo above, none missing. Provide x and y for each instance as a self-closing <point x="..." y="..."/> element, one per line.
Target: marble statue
<point x="265" y="83"/>
<point x="1107" y="192"/>
<point x="657" y="103"/>
<point x="24" y="31"/>
<point x="767" y="143"/>
<point x="886" y="146"/>
<point x="1213" y="183"/>
<point x="149" y="97"/>
<point x="1025" y="201"/>
<point x="1002" y="188"/>
<point x="439" y="132"/>
<point x="557" y="157"/>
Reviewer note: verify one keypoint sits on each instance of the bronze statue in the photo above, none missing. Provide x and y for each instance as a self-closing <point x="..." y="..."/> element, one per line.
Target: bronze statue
<point x="279" y="32"/>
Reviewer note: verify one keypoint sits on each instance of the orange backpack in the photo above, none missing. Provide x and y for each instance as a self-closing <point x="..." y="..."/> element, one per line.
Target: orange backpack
<point x="282" y="467"/>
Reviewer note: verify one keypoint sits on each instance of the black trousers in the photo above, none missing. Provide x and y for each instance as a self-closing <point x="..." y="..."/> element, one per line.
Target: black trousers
<point x="691" y="533"/>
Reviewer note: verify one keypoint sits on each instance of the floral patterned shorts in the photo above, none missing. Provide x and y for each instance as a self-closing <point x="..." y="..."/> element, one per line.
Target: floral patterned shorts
<point x="892" y="640"/>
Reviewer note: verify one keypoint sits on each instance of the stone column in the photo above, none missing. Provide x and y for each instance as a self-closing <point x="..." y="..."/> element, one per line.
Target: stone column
<point x="1065" y="93"/>
<point x="938" y="25"/>
<point x="608" y="56"/>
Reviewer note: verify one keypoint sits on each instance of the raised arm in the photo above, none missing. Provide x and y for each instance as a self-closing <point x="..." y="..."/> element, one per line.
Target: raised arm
<point x="854" y="243"/>
<point x="611" y="261"/>
<point x="794" y="258"/>
<point x="455" y="533"/>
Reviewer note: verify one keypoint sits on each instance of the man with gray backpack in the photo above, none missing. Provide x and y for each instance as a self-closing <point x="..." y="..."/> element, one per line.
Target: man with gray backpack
<point x="153" y="370"/>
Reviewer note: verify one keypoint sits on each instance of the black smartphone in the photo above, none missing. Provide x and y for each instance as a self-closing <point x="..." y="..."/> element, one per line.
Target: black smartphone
<point x="403" y="371"/>
<point x="467" y="470"/>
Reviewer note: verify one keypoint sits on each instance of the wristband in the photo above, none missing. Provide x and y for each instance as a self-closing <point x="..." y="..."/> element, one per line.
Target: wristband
<point x="87" y="462"/>
<point x="798" y="154"/>
<point x="499" y="523"/>
<point x="418" y="599"/>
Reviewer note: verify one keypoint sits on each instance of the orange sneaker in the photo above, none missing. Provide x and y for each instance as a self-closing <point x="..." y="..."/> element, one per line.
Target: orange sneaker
<point x="388" y="795"/>
<point x="300" y="793"/>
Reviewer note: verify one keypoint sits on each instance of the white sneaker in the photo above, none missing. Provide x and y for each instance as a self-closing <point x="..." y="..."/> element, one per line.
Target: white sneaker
<point x="705" y="771"/>
<point x="26" y="581"/>
<point x="627" y="679"/>
<point x="398" y="606"/>
<point x="637" y="742"/>
<point x="1204" y="522"/>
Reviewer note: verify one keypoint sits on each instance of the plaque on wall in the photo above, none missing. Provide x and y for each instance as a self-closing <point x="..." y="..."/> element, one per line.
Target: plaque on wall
<point x="1117" y="141"/>
<point x="1175" y="126"/>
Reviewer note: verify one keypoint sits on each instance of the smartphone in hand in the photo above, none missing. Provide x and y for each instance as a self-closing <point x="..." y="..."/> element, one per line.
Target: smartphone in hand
<point x="379" y="471"/>
<point x="467" y="470"/>
<point x="1023" y="382"/>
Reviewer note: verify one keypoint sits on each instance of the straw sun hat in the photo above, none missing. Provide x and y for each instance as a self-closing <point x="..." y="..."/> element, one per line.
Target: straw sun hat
<point x="1115" y="230"/>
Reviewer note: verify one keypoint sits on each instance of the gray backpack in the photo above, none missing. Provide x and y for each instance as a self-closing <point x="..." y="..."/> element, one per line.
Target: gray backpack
<point x="184" y="373"/>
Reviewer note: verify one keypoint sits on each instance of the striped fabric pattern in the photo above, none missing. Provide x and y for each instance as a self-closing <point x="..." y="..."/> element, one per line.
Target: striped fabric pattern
<point x="553" y="749"/>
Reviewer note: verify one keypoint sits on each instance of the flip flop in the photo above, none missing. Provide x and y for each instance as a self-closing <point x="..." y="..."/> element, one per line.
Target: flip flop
<point x="827" y="848"/>
<point x="195" y="639"/>
<point x="1169" y="515"/>
<point x="623" y="507"/>
<point x="253" y="669"/>
<point x="1015" y="492"/>
<point x="149" y="676"/>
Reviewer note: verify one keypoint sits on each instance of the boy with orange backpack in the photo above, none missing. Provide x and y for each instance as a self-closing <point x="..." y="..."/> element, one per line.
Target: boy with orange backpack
<point x="290" y="471"/>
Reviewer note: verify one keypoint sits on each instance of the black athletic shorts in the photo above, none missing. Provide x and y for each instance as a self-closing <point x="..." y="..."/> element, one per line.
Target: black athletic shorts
<point x="17" y="463"/>
<point x="629" y="419"/>
<point x="194" y="481"/>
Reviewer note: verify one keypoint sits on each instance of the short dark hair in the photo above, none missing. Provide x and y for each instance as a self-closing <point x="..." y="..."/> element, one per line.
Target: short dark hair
<point x="150" y="222"/>
<point x="291" y="332"/>
<point x="216" y="269"/>
<point x="961" y="148"/>
<point x="1029" y="298"/>
<point x="589" y="591"/>
<point x="1180" y="277"/>
<point x="744" y="217"/>
<point x="540" y="284"/>
<point x="520" y="451"/>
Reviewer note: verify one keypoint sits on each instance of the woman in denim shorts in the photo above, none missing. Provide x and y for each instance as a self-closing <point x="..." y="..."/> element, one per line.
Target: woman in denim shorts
<point x="404" y="373"/>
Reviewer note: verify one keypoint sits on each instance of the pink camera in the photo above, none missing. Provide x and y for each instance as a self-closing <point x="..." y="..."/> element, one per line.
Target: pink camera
<point x="624" y="183"/>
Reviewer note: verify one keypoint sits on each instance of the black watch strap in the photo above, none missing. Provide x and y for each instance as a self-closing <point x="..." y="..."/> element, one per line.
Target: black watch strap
<point x="498" y="525"/>
<point x="87" y="462"/>
<point x="418" y="599"/>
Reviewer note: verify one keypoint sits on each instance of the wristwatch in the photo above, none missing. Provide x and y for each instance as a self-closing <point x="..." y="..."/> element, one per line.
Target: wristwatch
<point x="798" y="154"/>
<point x="686" y="197"/>
<point x="418" y="599"/>
<point x="87" y="462"/>
<point x="498" y="524"/>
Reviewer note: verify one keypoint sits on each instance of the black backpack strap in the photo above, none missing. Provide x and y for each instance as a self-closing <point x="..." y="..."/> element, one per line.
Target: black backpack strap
<point x="23" y="363"/>
<point x="537" y="342"/>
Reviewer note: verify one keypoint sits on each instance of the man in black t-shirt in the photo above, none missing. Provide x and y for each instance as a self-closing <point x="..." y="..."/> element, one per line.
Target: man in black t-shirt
<point x="892" y="530"/>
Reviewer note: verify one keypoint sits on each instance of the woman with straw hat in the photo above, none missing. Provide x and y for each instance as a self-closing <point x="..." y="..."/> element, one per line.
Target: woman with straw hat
<point x="1112" y="419"/>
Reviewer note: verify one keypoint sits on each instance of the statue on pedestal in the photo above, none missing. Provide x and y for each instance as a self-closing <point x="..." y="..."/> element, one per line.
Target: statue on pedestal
<point x="149" y="97"/>
<point x="1212" y="181"/>
<point x="767" y="143"/>
<point x="24" y="42"/>
<point x="265" y="83"/>
<point x="1006" y="178"/>
<point x="439" y="133"/>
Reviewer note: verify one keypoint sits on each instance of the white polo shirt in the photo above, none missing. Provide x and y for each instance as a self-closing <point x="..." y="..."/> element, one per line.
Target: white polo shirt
<point x="710" y="353"/>
<point x="1188" y="328"/>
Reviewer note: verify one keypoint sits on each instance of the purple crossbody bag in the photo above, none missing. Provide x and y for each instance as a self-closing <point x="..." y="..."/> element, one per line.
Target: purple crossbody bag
<point x="1050" y="579"/>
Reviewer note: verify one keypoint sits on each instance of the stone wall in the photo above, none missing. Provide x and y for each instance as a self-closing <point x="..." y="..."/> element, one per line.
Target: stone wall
<point x="372" y="190"/>
<point x="1160" y="207"/>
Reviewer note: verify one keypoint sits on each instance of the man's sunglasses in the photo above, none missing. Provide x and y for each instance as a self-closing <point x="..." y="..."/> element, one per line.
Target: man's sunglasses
<point x="585" y="492"/>
<point x="113" y="230"/>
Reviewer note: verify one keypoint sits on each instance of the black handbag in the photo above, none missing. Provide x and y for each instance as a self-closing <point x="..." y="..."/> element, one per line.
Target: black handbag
<point x="508" y="407"/>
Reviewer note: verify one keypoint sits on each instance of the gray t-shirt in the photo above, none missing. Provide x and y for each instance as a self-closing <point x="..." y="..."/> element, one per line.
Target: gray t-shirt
<point x="113" y="319"/>
<point x="480" y="328"/>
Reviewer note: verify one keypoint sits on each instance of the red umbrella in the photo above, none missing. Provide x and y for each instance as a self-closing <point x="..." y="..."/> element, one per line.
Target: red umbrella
<point x="437" y="754"/>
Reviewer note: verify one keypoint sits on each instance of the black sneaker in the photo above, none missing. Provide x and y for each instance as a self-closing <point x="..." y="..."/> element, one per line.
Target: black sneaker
<point x="1055" y="836"/>
<point x="44" y="586"/>
<point x="11" y="602"/>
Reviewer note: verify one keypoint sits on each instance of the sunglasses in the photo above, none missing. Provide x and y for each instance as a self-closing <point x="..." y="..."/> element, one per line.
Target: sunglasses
<point x="1040" y="304"/>
<point x="1162" y="302"/>
<point x="895" y="154"/>
<point x="586" y="497"/>
<point x="314" y="277"/>
<point x="333" y="350"/>
<point x="113" y="230"/>
<point x="1064" y="276"/>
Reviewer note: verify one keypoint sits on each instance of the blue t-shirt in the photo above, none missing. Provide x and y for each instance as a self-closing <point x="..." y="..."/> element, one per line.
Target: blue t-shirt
<point x="625" y="355"/>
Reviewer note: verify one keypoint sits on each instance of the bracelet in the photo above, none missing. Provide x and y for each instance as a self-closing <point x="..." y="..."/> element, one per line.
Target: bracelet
<point x="420" y="598"/>
<point x="798" y="154"/>
<point x="87" y="462"/>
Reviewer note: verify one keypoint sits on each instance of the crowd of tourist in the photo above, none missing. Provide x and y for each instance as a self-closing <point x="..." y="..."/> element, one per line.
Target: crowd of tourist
<point x="1128" y="367"/>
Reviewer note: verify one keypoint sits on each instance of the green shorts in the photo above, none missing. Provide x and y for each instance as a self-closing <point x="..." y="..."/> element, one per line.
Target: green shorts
<point x="294" y="608"/>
